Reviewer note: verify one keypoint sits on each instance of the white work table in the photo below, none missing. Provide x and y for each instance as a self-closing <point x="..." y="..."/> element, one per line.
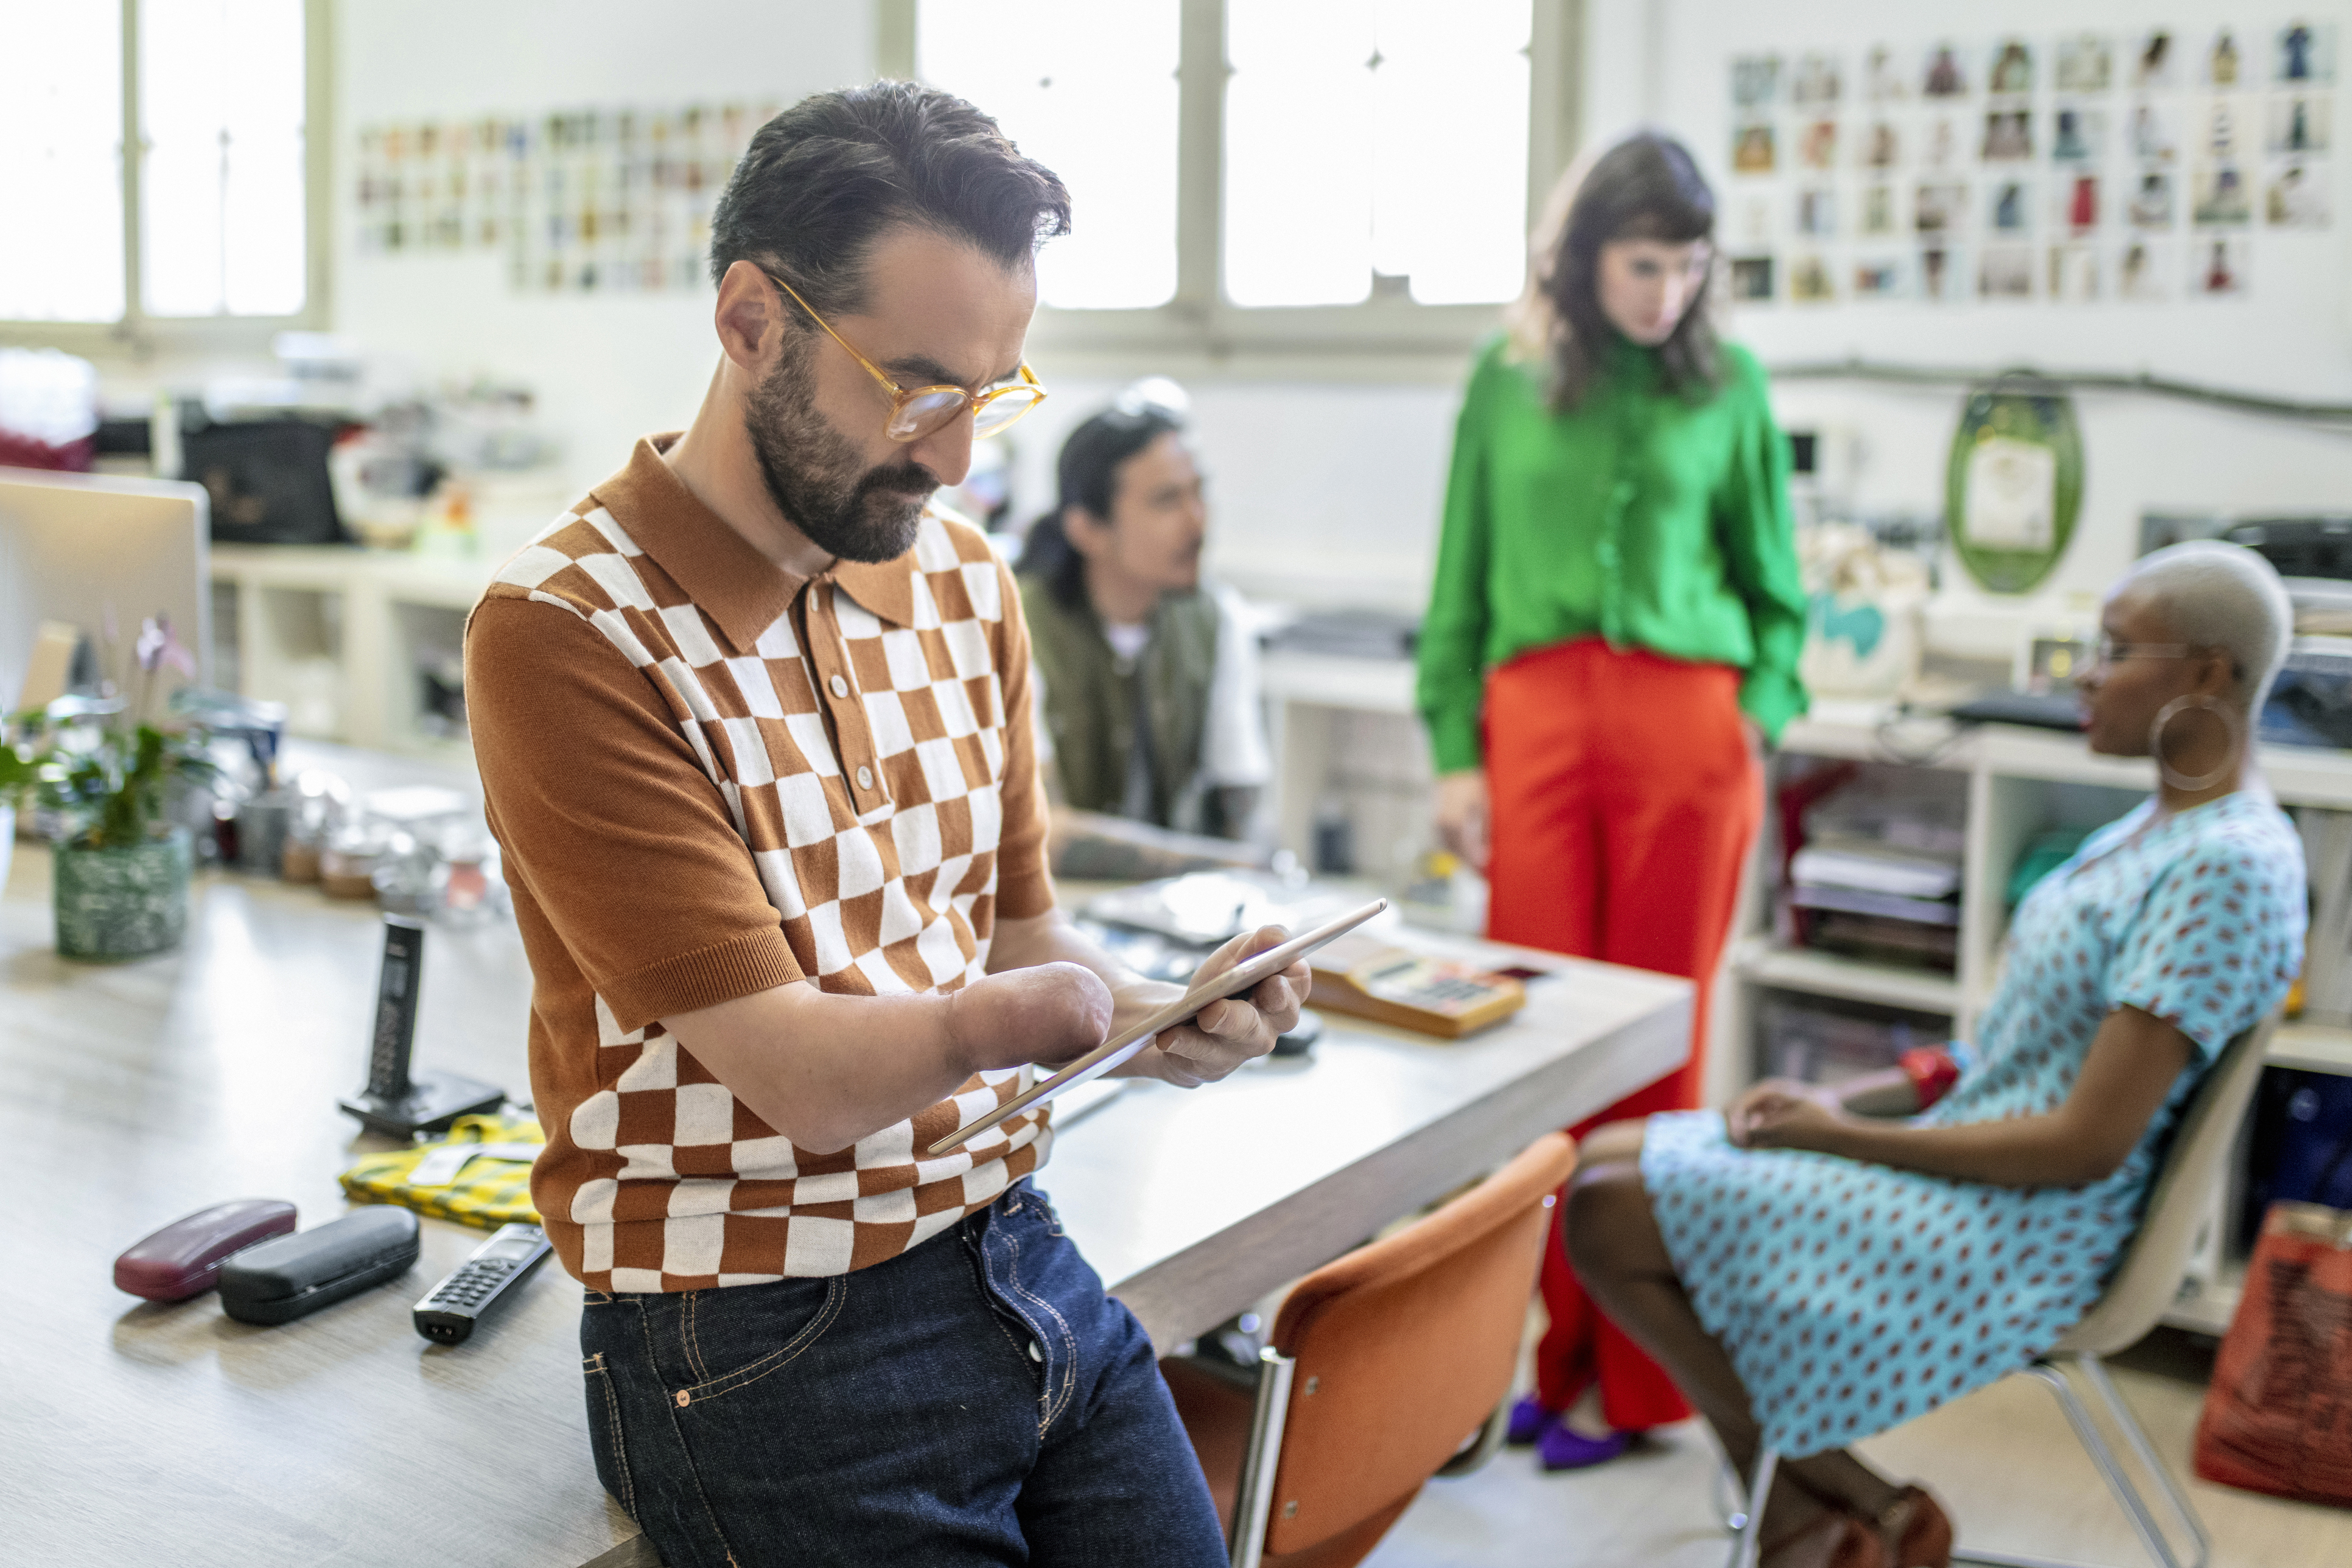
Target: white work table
<point x="134" y="1093"/>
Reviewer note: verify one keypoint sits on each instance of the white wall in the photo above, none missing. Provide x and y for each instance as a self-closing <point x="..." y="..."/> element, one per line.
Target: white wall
<point x="2292" y="336"/>
<point x="1329" y="490"/>
<point x="607" y="367"/>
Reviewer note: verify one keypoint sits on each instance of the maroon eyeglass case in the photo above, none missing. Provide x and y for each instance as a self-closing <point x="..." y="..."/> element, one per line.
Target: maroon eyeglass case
<point x="184" y="1258"/>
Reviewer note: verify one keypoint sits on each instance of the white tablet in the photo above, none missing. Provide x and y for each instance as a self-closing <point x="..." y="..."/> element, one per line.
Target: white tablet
<point x="1121" y="1047"/>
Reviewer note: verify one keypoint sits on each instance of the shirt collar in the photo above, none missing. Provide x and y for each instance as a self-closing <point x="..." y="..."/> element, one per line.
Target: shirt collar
<point x="740" y="589"/>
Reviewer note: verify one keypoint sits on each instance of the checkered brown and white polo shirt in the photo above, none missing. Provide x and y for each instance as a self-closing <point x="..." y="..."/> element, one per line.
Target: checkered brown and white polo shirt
<point x="710" y="777"/>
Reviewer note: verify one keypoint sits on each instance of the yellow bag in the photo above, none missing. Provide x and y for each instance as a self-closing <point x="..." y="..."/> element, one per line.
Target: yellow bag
<point x="489" y="1191"/>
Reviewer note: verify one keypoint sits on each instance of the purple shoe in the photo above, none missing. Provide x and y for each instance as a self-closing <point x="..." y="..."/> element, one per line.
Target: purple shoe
<point x="1530" y="1420"/>
<point x="1563" y="1447"/>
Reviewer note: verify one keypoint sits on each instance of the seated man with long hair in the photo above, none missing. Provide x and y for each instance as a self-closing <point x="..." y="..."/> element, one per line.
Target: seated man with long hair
<point x="1811" y="1275"/>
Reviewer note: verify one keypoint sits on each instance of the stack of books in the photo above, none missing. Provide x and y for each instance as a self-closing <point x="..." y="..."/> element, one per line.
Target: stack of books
<point x="1878" y="880"/>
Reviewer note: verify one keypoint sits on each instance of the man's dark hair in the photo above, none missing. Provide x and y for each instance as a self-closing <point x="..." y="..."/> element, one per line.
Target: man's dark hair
<point x="1088" y="472"/>
<point x="1646" y="187"/>
<point x="827" y="177"/>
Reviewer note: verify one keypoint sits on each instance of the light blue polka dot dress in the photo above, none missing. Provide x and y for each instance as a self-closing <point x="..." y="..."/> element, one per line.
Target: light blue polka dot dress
<point x="1854" y="1297"/>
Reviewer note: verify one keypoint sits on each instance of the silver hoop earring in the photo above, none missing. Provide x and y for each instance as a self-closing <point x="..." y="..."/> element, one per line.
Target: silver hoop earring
<point x="2173" y="709"/>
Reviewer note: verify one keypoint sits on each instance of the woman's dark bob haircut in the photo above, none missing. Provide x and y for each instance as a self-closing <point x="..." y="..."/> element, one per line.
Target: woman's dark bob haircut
<point x="1089" y="472"/>
<point x="1644" y="187"/>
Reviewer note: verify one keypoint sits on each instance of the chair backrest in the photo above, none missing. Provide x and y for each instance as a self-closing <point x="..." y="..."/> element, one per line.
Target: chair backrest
<point x="2149" y="1277"/>
<point x="1402" y="1349"/>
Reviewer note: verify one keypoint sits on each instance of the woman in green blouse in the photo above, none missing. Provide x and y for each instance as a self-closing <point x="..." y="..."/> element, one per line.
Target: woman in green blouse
<point x="1611" y="637"/>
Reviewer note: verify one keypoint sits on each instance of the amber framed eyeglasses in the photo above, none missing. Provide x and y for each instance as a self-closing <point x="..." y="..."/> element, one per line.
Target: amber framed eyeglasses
<point x="920" y="411"/>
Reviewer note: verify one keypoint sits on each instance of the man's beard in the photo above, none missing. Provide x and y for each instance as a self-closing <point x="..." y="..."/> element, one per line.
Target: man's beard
<point x="813" y="475"/>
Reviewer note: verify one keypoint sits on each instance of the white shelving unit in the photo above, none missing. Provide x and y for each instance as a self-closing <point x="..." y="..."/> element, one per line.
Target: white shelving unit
<point x="2019" y="782"/>
<point x="341" y="636"/>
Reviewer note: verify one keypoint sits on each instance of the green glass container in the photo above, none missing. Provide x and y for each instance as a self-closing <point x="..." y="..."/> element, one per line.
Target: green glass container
<point x="2014" y="484"/>
<point x="122" y="904"/>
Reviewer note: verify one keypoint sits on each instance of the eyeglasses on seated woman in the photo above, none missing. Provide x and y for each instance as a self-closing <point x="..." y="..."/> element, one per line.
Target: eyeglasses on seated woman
<point x="1816" y="1266"/>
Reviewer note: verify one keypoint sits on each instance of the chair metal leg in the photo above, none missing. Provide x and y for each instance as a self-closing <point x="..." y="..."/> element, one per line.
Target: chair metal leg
<point x="1484" y="1447"/>
<point x="2183" y="1512"/>
<point x="1748" y="1546"/>
<point x="1253" y="1504"/>
<point x="1731" y="1498"/>
<point x="2127" y="1496"/>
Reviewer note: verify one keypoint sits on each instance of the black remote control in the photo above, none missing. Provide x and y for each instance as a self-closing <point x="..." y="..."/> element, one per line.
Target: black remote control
<point x="451" y="1309"/>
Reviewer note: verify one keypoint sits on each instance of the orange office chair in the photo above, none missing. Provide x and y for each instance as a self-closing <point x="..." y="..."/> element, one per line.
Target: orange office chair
<point x="1387" y="1367"/>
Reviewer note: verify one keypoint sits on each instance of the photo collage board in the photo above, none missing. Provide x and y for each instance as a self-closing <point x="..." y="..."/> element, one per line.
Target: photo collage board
<point x="2091" y="166"/>
<point x="578" y="201"/>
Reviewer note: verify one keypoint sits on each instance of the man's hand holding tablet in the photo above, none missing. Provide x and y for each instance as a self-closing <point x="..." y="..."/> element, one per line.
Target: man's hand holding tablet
<point x="1242" y="998"/>
<point x="1222" y="1034"/>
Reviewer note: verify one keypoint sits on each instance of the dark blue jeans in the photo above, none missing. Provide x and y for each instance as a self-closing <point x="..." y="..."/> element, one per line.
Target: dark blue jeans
<point x="977" y="1400"/>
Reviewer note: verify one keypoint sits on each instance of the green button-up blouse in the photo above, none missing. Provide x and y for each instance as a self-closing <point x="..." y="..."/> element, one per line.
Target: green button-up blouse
<point x="1640" y="517"/>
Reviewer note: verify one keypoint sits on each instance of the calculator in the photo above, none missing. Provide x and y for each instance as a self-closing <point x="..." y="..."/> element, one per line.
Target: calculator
<point x="1391" y="985"/>
<point x="495" y="1271"/>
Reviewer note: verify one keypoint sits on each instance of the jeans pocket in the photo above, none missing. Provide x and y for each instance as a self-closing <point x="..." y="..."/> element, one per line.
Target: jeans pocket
<point x="729" y="1337"/>
<point x="604" y="1438"/>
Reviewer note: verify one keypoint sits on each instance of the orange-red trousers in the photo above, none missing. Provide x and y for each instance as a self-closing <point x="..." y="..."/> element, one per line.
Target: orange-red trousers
<point x="1625" y="799"/>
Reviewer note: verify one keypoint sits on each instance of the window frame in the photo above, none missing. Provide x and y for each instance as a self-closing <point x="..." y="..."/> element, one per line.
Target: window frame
<point x="1198" y="328"/>
<point x="138" y="336"/>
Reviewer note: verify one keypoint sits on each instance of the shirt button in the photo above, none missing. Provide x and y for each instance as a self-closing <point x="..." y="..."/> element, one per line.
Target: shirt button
<point x="1034" y="1353"/>
<point x="840" y="686"/>
<point x="865" y="778"/>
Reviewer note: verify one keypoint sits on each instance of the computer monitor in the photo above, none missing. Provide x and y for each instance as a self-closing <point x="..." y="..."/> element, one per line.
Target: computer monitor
<point x="74" y="547"/>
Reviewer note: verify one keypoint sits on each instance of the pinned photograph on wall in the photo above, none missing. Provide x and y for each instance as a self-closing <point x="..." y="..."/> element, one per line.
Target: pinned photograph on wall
<point x="1755" y="80"/>
<point x="1941" y="207"/>
<point x="1940" y="142"/>
<point x="1751" y="279"/>
<point x="1877" y="217"/>
<point x="2007" y="272"/>
<point x="2008" y="208"/>
<point x="1750" y="226"/>
<point x="2011" y="71"/>
<point x="1751" y="148"/>
<point x="2219" y="266"/>
<point x="2297" y="197"/>
<point x="2008" y="136"/>
<point x="2151" y="59"/>
<point x="1816" y="212"/>
<point x="1882" y="76"/>
<point x="1809" y="282"/>
<point x="2220" y="198"/>
<point x="2299" y="124"/>
<point x="1815" y="80"/>
<point x="2225" y="63"/>
<point x="2074" y="273"/>
<point x="1945" y="76"/>
<point x="1942" y="268"/>
<point x="2224" y="127"/>
<point x="2154" y="138"/>
<point x="2142" y="270"/>
<point x="1880" y="278"/>
<point x="2077" y="208"/>
<point x="2151" y="200"/>
<point x="2086" y="63"/>
<point x="1882" y="146"/>
<point x="2306" y="52"/>
<point x="1817" y="145"/>
<point x="2077" y="135"/>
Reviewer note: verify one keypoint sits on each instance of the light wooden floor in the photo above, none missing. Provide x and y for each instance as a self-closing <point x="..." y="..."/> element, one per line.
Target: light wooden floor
<point x="2002" y="1461"/>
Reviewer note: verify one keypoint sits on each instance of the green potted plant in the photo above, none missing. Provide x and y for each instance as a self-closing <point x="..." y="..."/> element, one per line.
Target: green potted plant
<point x="105" y="775"/>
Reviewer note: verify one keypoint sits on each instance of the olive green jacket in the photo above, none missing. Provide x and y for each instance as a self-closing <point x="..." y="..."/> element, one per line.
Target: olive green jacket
<point x="1090" y="698"/>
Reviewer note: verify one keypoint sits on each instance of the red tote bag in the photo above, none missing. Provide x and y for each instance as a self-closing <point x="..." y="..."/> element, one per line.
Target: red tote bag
<point x="2278" y="1415"/>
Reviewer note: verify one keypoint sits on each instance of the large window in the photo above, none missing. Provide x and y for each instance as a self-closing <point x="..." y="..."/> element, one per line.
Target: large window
<point x="161" y="175"/>
<point x="1281" y="174"/>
